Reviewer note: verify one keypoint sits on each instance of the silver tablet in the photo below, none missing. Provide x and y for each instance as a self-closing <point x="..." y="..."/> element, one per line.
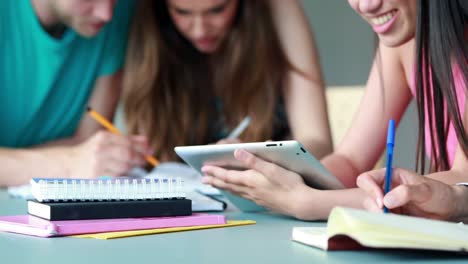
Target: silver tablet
<point x="290" y="155"/>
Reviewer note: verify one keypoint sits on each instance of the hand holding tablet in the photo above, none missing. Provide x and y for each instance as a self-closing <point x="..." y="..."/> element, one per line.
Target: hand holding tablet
<point x="290" y="155"/>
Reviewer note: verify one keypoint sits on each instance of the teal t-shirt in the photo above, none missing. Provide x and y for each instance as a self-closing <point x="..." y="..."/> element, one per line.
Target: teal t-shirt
<point x="45" y="83"/>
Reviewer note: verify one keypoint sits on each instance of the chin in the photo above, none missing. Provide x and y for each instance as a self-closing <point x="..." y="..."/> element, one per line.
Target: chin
<point x="86" y="34"/>
<point x="207" y="50"/>
<point x="395" y="41"/>
<point x="86" y="31"/>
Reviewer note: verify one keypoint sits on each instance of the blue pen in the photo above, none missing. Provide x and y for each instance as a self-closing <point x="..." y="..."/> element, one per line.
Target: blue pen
<point x="388" y="171"/>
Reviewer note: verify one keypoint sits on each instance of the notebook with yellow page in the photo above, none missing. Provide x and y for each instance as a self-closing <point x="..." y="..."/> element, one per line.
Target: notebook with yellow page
<point x="349" y="229"/>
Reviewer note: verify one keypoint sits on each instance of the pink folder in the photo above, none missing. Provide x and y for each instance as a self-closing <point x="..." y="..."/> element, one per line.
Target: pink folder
<point x="31" y="225"/>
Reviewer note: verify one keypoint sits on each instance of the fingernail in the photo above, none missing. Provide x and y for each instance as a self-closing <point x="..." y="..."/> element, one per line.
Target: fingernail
<point x="379" y="202"/>
<point x="204" y="169"/>
<point x="205" y="180"/>
<point x="389" y="200"/>
<point x="241" y="154"/>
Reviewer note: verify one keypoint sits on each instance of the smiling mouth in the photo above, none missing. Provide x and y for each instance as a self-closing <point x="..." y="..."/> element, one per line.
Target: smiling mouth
<point x="381" y="20"/>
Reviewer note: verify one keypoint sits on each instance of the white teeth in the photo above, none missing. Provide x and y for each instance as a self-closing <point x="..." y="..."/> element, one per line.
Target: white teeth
<point x="383" y="18"/>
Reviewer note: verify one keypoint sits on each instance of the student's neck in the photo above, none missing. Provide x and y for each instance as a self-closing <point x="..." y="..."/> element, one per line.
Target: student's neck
<point x="48" y="18"/>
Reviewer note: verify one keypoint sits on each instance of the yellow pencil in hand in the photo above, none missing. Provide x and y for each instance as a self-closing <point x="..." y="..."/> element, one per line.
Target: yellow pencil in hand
<point x="108" y="125"/>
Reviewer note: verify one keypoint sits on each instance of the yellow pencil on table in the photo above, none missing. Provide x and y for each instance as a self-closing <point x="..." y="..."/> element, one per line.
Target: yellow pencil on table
<point x="108" y="125"/>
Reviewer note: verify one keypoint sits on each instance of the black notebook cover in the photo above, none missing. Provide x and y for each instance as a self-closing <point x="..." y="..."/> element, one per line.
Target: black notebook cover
<point x="80" y="210"/>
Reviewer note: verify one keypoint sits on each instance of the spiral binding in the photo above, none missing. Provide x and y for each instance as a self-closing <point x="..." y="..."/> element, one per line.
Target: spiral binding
<point x="107" y="189"/>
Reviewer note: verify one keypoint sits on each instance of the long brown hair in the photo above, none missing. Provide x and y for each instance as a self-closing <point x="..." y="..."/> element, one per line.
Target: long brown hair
<point x="440" y="48"/>
<point x="170" y="87"/>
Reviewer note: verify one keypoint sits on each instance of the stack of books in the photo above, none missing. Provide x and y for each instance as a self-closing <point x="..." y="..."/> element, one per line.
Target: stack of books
<point x="65" y="207"/>
<point x="78" y="199"/>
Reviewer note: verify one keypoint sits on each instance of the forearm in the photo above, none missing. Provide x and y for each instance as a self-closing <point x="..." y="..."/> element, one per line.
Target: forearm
<point x="340" y="166"/>
<point x="317" y="204"/>
<point x="84" y="132"/>
<point x="60" y="143"/>
<point x="307" y="115"/>
<point x="20" y="165"/>
<point x="318" y="148"/>
<point x="452" y="176"/>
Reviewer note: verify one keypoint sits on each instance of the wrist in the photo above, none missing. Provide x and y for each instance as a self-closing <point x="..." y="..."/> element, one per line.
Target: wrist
<point x="460" y="202"/>
<point x="69" y="158"/>
<point x="303" y="204"/>
<point x="59" y="161"/>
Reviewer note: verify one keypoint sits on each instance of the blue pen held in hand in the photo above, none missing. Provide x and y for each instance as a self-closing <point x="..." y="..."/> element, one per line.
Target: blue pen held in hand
<point x="388" y="171"/>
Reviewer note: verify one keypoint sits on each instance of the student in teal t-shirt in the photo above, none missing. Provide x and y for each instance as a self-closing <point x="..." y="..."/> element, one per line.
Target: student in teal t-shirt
<point x="58" y="57"/>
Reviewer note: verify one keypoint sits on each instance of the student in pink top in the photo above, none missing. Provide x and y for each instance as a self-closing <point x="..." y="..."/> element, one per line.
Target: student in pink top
<point x="441" y="37"/>
<point x="409" y="31"/>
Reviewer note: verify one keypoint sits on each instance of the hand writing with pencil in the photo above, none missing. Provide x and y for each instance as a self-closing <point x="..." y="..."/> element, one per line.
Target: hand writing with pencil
<point x="107" y="154"/>
<point x="414" y="195"/>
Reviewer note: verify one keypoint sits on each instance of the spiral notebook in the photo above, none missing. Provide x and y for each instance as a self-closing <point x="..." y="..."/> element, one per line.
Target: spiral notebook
<point x="45" y="189"/>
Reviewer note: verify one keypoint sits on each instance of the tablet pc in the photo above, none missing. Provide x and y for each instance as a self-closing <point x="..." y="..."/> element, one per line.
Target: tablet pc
<point x="290" y="155"/>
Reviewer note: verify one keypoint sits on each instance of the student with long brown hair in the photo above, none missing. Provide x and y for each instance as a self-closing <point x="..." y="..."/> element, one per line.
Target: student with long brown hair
<point x="195" y="69"/>
<point x="422" y="54"/>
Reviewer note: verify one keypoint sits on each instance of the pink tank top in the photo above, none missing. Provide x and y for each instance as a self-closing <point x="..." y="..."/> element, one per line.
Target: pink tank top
<point x="452" y="140"/>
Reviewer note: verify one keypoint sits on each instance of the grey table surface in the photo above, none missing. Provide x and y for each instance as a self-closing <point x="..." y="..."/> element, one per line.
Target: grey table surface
<point x="266" y="242"/>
